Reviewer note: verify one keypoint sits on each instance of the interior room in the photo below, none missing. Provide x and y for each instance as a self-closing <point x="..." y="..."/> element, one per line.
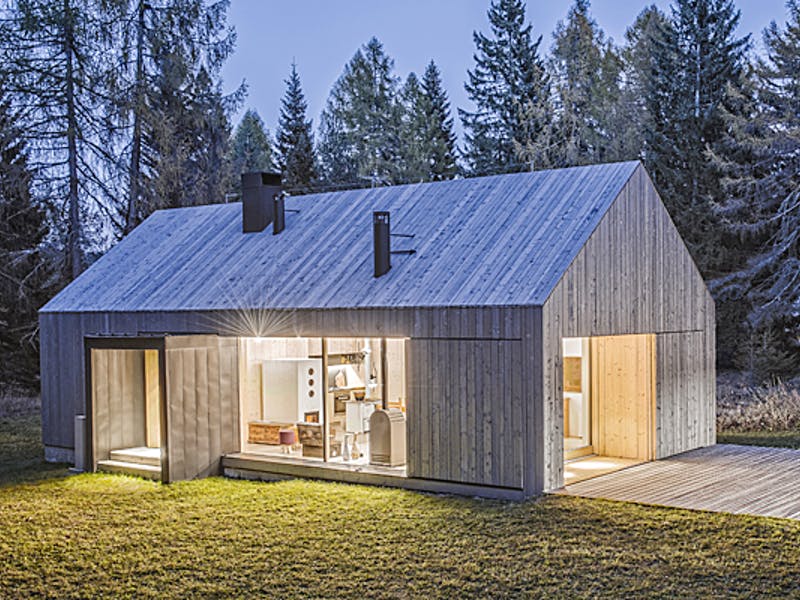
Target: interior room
<point x="609" y="391"/>
<point x="577" y="435"/>
<point x="335" y="401"/>
<point x="126" y="401"/>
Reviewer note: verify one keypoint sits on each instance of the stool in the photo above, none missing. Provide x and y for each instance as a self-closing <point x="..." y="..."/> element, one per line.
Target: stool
<point x="287" y="438"/>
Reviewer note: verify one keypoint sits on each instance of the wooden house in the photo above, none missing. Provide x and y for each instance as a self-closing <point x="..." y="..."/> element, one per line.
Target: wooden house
<point x="489" y="336"/>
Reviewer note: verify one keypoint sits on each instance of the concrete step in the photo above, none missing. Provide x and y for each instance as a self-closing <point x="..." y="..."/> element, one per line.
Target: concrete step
<point x="129" y="468"/>
<point x="139" y="456"/>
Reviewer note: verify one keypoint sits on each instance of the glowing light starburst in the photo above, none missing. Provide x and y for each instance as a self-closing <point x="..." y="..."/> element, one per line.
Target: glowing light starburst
<point x="246" y="314"/>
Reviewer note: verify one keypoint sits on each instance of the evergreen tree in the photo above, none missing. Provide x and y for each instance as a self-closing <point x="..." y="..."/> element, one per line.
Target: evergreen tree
<point x="696" y="59"/>
<point x="634" y="125"/>
<point x="761" y="160"/>
<point x="585" y="71"/>
<point x="440" y="134"/>
<point x="427" y="139"/>
<point x="295" y="140"/>
<point x="414" y="144"/>
<point x="508" y="76"/>
<point x="539" y="144"/>
<point x="170" y="116"/>
<point x="250" y="148"/>
<point x="25" y="275"/>
<point x="339" y="161"/>
<point x="53" y="55"/>
<point x="360" y="124"/>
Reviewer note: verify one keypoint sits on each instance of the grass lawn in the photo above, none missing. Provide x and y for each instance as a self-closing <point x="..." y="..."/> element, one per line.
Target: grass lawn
<point x="778" y="439"/>
<point x="103" y="535"/>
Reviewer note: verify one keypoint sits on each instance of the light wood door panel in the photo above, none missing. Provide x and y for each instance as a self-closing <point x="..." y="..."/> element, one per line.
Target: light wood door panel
<point x="623" y="383"/>
<point x="202" y="374"/>
<point x="152" y="403"/>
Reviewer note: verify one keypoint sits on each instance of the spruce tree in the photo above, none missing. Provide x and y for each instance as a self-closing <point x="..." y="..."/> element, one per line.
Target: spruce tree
<point x="53" y="62"/>
<point x="427" y="139"/>
<point x="360" y="124"/>
<point x="295" y="141"/>
<point x="635" y="125"/>
<point x="207" y="174"/>
<point x="415" y="145"/>
<point x="509" y="74"/>
<point x="250" y="148"/>
<point x="760" y="158"/>
<point x="539" y="144"/>
<point x="441" y="136"/>
<point x="585" y="71"/>
<point x="697" y="58"/>
<point x="170" y="125"/>
<point x="339" y="163"/>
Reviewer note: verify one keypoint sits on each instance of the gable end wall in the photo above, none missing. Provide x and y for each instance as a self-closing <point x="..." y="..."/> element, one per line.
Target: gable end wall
<point x="635" y="275"/>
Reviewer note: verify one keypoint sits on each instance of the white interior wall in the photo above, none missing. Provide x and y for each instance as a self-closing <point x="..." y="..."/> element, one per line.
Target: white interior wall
<point x="579" y="402"/>
<point x="257" y="403"/>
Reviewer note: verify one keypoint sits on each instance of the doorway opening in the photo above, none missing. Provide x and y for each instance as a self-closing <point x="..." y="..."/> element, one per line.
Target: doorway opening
<point x="609" y="404"/>
<point x="127" y="411"/>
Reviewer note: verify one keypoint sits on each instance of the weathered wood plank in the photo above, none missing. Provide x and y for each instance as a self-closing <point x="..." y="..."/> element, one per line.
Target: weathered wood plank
<point x="462" y="416"/>
<point x="176" y="433"/>
<point x="722" y="478"/>
<point x="634" y="276"/>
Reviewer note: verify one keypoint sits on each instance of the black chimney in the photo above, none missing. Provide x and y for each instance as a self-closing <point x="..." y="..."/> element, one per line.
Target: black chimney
<point x="381" y="236"/>
<point x="278" y="214"/>
<point x="258" y="191"/>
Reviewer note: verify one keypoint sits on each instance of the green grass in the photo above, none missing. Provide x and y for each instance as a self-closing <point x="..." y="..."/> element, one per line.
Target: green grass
<point x="778" y="439"/>
<point x="21" y="451"/>
<point x="103" y="535"/>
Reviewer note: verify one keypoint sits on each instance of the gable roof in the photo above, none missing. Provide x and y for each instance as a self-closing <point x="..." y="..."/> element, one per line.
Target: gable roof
<point x="487" y="241"/>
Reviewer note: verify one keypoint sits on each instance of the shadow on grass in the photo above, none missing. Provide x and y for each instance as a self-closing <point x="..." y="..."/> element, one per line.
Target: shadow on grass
<point x="22" y="452"/>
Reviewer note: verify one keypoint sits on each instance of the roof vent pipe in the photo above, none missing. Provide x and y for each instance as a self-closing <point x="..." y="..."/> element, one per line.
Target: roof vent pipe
<point x="258" y="191"/>
<point x="278" y="213"/>
<point x="380" y="239"/>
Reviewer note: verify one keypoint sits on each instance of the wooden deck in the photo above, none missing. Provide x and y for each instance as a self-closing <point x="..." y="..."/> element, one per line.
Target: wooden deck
<point x="723" y="478"/>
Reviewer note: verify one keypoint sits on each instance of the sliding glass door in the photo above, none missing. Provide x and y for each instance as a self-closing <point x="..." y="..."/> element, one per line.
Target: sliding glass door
<point x="316" y="399"/>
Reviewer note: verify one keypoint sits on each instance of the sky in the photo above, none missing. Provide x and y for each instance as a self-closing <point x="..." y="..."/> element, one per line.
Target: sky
<point x="321" y="36"/>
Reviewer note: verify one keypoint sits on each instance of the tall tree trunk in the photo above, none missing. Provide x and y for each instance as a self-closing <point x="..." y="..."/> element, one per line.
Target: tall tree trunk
<point x="74" y="230"/>
<point x="134" y="172"/>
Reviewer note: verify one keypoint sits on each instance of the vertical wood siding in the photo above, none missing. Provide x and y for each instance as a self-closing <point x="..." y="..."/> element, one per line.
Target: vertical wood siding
<point x="622" y="384"/>
<point x="202" y="404"/>
<point x="685" y="416"/>
<point x="62" y="339"/>
<point x="634" y="275"/>
<point x="465" y="409"/>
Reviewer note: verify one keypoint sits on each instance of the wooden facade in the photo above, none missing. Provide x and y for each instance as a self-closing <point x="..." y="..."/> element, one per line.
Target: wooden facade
<point x="202" y="403"/>
<point x="635" y="276"/>
<point x="466" y="411"/>
<point x="484" y="378"/>
<point x="623" y="396"/>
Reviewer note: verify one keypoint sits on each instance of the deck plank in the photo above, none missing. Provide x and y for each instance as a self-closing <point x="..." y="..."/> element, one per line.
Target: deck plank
<point x="722" y="478"/>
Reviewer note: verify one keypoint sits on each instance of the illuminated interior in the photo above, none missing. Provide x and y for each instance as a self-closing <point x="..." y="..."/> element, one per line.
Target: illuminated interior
<point x="126" y="404"/>
<point x="577" y="404"/>
<point x="608" y="404"/>
<point x="332" y="401"/>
